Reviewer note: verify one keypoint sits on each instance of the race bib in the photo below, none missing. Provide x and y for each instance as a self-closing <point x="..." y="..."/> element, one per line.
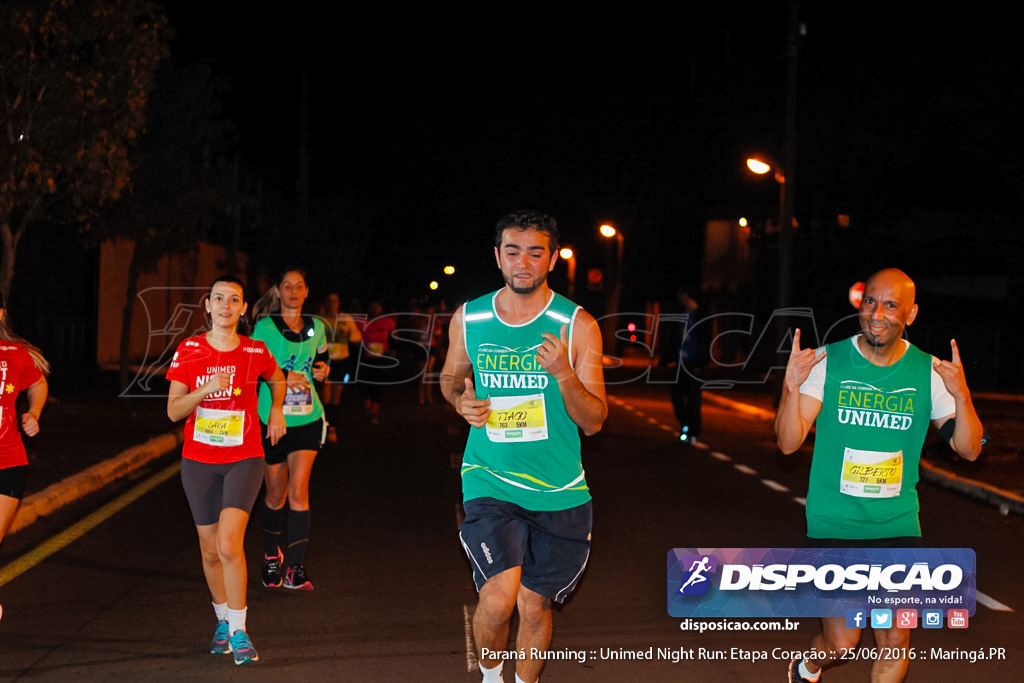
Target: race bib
<point x="871" y="474"/>
<point x="298" y="404"/>
<point x="219" y="427"/>
<point x="516" y="419"/>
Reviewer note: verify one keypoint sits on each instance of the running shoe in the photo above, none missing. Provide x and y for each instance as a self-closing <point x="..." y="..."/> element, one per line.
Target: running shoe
<point x="242" y="648"/>
<point x="219" y="645"/>
<point x="272" y="569"/>
<point x="296" y="579"/>
<point x="794" y="673"/>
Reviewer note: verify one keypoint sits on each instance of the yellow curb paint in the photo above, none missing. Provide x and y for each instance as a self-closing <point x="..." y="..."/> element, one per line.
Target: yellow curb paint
<point x="73" y="533"/>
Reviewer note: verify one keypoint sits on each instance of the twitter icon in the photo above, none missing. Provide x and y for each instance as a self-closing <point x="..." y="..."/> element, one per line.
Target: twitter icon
<point x="881" y="618"/>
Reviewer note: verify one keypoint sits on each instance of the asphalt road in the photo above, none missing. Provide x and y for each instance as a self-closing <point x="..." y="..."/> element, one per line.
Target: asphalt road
<point x="126" y="599"/>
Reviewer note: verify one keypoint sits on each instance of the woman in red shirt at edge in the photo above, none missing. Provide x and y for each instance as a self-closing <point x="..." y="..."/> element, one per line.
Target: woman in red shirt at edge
<point x="376" y="332"/>
<point x="213" y="380"/>
<point x="22" y="368"/>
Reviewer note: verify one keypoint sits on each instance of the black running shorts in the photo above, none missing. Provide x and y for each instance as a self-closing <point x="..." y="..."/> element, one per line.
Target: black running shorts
<point x="552" y="547"/>
<point x="308" y="437"/>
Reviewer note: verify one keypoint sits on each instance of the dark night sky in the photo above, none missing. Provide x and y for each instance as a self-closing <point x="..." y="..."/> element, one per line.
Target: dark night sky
<point x="425" y="128"/>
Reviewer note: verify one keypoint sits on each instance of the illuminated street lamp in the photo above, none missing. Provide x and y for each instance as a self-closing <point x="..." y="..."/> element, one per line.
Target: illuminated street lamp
<point x="449" y="270"/>
<point x="613" y="300"/>
<point x="570" y="262"/>
<point x="761" y="167"/>
<point x="758" y="166"/>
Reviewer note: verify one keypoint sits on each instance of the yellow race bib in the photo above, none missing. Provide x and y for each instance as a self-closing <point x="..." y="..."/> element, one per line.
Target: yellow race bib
<point x="517" y="419"/>
<point x="871" y="474"/>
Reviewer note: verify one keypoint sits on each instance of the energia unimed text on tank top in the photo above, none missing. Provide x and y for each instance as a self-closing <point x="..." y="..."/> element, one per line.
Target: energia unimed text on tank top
<point x="528" y="453"/>
<point x="867" y="446"/>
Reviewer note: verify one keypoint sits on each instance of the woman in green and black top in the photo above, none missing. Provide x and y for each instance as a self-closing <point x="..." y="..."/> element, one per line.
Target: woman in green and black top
<point x="299" y="344"/>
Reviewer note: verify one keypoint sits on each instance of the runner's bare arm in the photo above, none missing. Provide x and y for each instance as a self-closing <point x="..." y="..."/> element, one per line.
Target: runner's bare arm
<point x="797" y="412"/>
<point x="456" y="377"/>
<point x="581" y="383"/>
<point x="181" y="402"/>
<point x="276" y="427"/>
<point x="37" y="394"/>
<point x="968" y="431"/>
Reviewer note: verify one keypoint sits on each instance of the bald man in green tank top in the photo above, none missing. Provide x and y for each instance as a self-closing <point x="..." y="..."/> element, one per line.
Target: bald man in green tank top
<point x="872" y="397"/>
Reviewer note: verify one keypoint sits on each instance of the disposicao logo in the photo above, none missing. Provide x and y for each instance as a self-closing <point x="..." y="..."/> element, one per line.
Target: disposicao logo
<point x="785" y="582"/>
<point x="695" y="581"/>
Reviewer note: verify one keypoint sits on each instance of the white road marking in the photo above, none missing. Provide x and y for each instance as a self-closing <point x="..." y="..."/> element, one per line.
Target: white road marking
<point x="467" y="622"/>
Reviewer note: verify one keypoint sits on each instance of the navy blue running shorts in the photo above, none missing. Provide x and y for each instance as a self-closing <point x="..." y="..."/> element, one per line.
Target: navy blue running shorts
<point x="212" y="487"/>
<point x="12" y="481"/>
<point x="308" y="437"/>
<point x="552" y="547"/>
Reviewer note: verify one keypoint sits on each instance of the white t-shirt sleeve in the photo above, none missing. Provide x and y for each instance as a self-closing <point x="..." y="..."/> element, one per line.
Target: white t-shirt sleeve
<point x="814" y="385"/>
<point x="943" y="403"/>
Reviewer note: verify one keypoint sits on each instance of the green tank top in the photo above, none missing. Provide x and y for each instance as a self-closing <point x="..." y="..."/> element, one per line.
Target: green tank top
<point x="867" y="445"/>
<point x="294" y="354"/>
<point x="529" y="451"/>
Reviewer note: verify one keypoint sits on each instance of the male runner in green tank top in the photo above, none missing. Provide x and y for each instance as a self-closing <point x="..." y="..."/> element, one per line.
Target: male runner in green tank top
<point x="524" y="370"/>
<point x="878" y="392"/>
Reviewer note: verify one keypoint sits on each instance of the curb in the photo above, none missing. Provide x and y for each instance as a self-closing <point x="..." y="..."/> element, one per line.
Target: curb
<point x="1005" y="501"/>
<point x="87" y="481"/>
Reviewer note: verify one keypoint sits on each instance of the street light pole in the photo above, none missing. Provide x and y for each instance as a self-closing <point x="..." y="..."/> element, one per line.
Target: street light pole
<point x="570" y="262"/>
<point x="613" y="300"/>
<point x="789" y="151"/>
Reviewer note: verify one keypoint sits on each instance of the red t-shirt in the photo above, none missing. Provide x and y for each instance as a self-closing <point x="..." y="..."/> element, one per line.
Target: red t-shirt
<point x="17" y="373"/>
<point x="377" y="333"/>
<point x="225" y="427"/>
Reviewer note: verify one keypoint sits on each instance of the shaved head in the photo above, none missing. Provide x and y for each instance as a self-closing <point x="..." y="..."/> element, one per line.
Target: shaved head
<point x="887" y="307"/>
<point x="896" y="279"/>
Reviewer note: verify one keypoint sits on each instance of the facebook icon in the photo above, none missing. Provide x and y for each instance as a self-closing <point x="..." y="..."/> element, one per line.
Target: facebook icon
<point x="856" y="618"/>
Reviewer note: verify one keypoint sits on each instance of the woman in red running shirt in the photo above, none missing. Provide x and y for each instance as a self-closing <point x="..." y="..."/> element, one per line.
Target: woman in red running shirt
<point x="22" y="368"/>
<point x="214" y="379"/>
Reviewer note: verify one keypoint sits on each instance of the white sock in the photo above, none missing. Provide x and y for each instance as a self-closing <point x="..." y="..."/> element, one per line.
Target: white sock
<point x="519" y="680"/>
<point x="236" y="619"/>
<point x="221" y="611"/>
<point x="491" y="675"/>
<point x="807" y="674"/>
